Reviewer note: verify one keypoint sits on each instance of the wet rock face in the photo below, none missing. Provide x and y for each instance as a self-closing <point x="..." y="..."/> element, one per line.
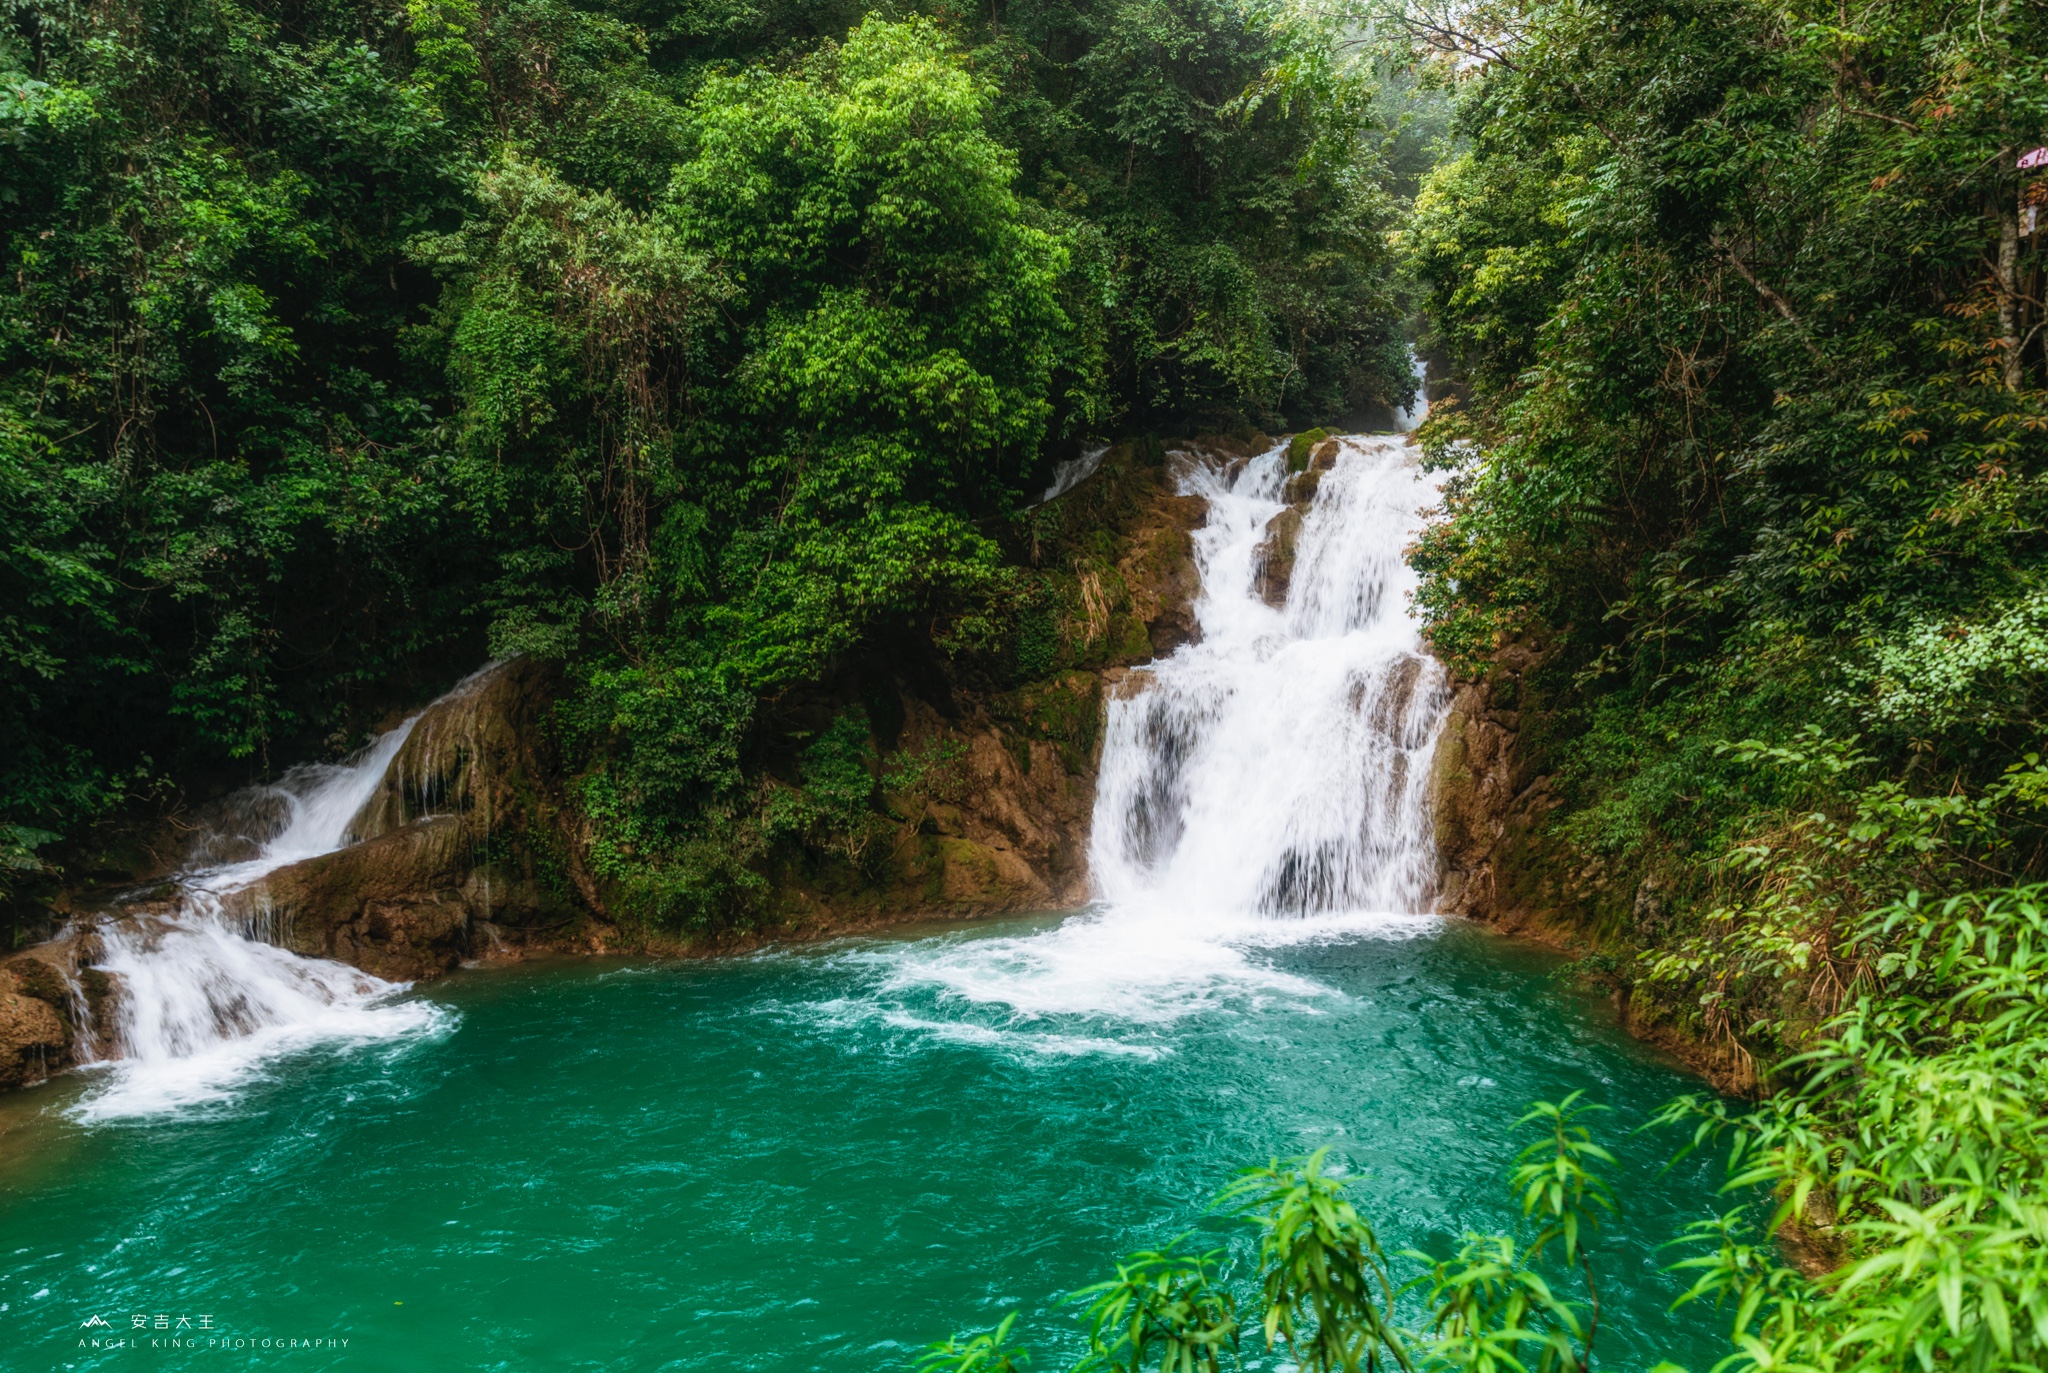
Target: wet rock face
<point x="1160" y="574"/>
<point x="1273" y="560"/>
<point x="55" y="1009"/>
<point x="1488" y="803"/>
<point x="463" y="831"/>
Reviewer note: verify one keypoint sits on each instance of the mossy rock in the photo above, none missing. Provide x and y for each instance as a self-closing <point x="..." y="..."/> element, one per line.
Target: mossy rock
<point x="1065" y="711"/>
<point x="1298" y="448"/>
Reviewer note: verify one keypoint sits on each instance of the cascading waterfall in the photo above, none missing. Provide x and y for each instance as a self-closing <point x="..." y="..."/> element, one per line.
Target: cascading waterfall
<point x="1264" y="785"/>
<point x="205" y="998"/>
<point x="1280" y="765"/>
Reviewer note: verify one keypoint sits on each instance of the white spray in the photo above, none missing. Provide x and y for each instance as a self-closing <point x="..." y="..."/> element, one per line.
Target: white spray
<point x="205" y="1000"/>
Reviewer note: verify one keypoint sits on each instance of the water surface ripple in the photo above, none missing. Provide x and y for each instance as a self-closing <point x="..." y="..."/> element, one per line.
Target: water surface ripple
<point x="811" y="1159"/>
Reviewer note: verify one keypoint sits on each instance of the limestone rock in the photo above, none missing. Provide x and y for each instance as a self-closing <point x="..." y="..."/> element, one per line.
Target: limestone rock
<point x="1273" y="559"/>
<point x="35" y="1041"/>
<point x="1159" y="571"/>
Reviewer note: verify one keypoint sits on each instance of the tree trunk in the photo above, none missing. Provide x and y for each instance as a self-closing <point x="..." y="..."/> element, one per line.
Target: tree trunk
<point x="2008" y="293"/>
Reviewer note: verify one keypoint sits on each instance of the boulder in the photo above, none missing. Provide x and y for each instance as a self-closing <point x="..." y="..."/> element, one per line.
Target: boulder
<point x="1273" y="559"/>
<point x="34" y="1040"/>
<point x="1301" y="445"/>
<point x="1159" y="573"/>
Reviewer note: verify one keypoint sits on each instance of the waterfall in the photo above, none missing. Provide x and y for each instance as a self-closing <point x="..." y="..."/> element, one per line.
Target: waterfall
<point x="1280" y="765"/>
<point x="1266" y="784"/>
<point x="205" y="998"/>
<point x="1072" y="472"/>
<point x="1263" y="784"/>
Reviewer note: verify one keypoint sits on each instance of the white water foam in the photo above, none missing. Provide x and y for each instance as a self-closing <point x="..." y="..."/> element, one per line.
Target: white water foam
<point x="1264" y="786"/>
<point x="1072" y="472"/>
<point x="205" y="1001"/>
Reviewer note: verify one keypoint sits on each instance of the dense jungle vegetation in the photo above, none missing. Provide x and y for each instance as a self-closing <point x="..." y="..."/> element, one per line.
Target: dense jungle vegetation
<point x="1749" y="456"/>
<point x="705" y="348"/>
<point x="1747" y="299"/>
<point x="696" y="347"/>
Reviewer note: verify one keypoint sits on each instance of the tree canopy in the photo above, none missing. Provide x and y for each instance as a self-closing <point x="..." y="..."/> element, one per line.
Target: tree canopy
<point x="352" y="343"/>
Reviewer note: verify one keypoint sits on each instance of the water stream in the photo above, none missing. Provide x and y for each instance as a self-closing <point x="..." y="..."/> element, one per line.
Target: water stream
<point x="822" y="1157"/>
<point x="207" y="998"/>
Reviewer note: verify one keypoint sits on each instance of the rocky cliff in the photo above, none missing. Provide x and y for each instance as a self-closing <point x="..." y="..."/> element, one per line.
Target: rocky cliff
<point x="1501" y="863"/>
<point x="1004" y="823"/>
<point x="1487" y="799"/>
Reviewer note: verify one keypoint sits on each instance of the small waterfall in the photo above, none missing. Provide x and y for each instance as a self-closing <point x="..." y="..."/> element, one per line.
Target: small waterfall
<point x="1281" y="764"/>
<point x="206" y="998"/>
<point x="1072" y="472"/>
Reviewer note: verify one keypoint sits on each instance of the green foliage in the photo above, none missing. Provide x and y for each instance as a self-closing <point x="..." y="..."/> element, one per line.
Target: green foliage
<point x="696" y="349"/>
<point x="1912" y="1153"/>
<point x="1327" y="1293"/>
<point x="1750" y="409"/>
<point x="1750" y="459"/>
<point x="1560" y="1189"/>
<point x="834" y="806"/>
<point x="1751" y="451"/>
<point x="18" y="845"/>
<point x="987" y="1352"/>
<point x="1163" y="1310"/>
<point x="1913" y="1149"/>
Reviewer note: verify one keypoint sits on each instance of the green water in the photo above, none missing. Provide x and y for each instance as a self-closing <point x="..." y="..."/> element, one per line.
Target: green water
<point x="814" y="1159"/>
